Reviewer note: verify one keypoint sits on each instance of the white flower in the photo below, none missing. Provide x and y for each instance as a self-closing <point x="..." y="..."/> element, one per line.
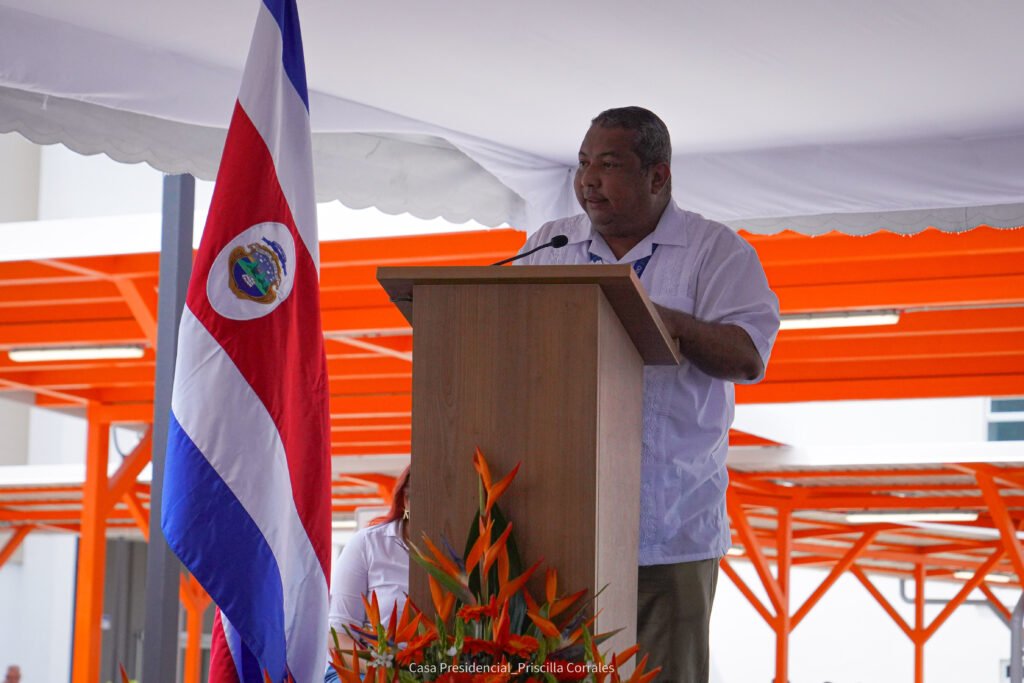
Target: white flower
<point x="382" y="660"/>
<point x="452" y="651"/>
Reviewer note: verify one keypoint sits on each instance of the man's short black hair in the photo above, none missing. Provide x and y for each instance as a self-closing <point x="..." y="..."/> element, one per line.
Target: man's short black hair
<point x="653" y="144"/>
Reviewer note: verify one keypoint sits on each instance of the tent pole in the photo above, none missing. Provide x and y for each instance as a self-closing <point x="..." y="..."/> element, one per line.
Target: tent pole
<point x="159" y="661"/>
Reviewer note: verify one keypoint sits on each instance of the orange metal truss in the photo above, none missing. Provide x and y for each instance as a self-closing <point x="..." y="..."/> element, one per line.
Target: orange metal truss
<point x="795" y="517"/>
<point x="961" y="334"/>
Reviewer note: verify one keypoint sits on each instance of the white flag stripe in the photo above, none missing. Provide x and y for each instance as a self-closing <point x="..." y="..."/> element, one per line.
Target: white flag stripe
<point x="279" y="114"/>
<point x="237" y="446"/>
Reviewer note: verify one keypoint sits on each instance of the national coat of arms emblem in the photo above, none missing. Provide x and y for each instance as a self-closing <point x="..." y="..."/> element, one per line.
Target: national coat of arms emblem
<point x="256" y="270"/>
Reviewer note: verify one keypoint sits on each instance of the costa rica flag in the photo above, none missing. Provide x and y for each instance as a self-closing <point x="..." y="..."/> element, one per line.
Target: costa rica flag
<point x="246" y="499"/>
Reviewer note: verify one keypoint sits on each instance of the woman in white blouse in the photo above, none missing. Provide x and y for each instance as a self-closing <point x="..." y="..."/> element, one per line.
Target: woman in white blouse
<point x="375" y="559"/>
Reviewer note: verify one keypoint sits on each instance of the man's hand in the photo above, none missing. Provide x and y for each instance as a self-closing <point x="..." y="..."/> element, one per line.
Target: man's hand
<point x="720" y="350"/>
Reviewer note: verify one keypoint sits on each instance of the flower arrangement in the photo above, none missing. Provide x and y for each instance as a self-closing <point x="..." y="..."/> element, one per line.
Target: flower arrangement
<point x="488" y="627"/>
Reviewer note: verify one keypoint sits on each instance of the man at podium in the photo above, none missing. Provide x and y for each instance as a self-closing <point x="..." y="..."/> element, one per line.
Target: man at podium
<point x="712" y="294"/>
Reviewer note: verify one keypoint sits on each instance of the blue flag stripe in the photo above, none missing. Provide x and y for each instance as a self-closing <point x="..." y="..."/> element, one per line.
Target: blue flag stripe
<point x="231" y="558"/>
<point x="287" y="17"/>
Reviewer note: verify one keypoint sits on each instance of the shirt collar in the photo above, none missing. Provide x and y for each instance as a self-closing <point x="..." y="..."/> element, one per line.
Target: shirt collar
<point x="670" y="230"/>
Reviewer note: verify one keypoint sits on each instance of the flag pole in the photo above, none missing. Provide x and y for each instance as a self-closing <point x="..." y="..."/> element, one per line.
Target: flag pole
<point x="160" y="645"/>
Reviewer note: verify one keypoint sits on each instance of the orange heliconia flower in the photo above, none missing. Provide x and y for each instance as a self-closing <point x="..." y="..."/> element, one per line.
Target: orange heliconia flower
<point x="443" y="601"/>
<point x="493" y="490"/>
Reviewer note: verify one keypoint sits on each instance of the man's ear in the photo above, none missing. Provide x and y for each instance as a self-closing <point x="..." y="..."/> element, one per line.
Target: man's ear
<point x="660" y="175"/>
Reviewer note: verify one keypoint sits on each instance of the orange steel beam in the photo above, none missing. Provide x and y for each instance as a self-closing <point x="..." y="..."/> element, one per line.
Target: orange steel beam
<point x="66" y="397"/>
<point x="747" y="593"/>
<point x="832" y="247"/>
<point x="375" y="348"/>
<point x="753" y="549"/>
<point x="842" y="269"/>
<point x="948" y="470"/>
<point x="69" y="514"/>
<point x="77" y="378"/>
<point x="894" y="342"/>
<point x="1002" y="475"/>
<point x="883" y="502"/>
<point x="139" y="514"/>
<point x="908" y="573"/>
<point x="141" y="310"/>
<point x="195" y="601"/>
<point x="997" y="506"/>
<point x="868" y="389"/>
<point x="127" y="412"/>
<point x="13" y="542"/>
<point x="10" y="503"/>
<point x="840" y="568"/>
<point x="91" y="555"/>
<point x="995" y="601"/>
<point x="899" y="366"/>
<point x="877" y="595"/>
<point x="128" y="472"/>
<point x="808" y="560"/>
<point x="69" y="333"/>
<point x="380" y="405"/>
<point x="856" y="489"/>
<point x="59" y="488"/>
<point x="957" y="600"/>
<point x="992" y="289"/>
<point x="908" y="556"/>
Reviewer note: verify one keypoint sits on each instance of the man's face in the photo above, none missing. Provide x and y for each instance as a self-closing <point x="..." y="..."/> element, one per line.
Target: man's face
<point x="616" y="194"/>
<point x="13" y="674"/>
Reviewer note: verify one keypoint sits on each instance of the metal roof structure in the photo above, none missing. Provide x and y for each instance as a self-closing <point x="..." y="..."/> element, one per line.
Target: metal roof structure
<point x="960" y="333"/>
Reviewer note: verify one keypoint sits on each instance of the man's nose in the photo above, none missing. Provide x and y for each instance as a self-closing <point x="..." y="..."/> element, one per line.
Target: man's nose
<point x="589" y="177"/>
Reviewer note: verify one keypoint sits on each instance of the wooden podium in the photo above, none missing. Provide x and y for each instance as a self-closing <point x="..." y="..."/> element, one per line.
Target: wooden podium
<point x="543" y="365"/>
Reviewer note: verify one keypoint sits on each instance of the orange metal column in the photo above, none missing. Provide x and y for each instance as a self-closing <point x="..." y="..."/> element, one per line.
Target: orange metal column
<point x="195" y="600"/>
<point x="783" y="561"/>
<point x="85" y="667"/>
<point x="919" y="637"/>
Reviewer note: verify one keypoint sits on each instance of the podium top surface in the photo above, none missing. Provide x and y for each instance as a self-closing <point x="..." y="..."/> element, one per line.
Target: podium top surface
<point x="619" y="284"/>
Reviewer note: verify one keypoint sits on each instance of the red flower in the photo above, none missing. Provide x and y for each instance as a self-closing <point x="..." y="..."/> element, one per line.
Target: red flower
<point x="521" y="646"/>
<point x="478" y="612"/>
<point x="473" y="646"/>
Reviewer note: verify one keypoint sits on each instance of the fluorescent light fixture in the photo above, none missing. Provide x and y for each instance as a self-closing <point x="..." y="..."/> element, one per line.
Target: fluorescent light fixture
<point x="991" y="578"/>
<point x="901" y="517"/>
<point x="734" y="552"/>
<point x="343" y="524"/>
<point x="51" y="353"/>
<point x="814" y="321"/>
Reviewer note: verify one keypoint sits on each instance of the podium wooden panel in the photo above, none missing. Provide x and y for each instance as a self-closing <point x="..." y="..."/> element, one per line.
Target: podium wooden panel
<point x="544" y="365"/>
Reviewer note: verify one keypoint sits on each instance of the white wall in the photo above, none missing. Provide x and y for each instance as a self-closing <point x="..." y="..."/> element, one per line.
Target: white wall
<point x="907" y="421"/>
<point x="14" y="412"/>
<point x="19" y="178"/>
<point x="37" y="585"/>
<point x="76" y="186"/>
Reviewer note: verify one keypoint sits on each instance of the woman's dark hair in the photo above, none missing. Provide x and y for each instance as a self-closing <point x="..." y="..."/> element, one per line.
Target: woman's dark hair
<point x="399" y="505"/>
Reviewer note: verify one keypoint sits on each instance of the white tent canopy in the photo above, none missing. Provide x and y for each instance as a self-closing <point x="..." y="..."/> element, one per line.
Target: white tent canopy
<point x="802" y="115"/>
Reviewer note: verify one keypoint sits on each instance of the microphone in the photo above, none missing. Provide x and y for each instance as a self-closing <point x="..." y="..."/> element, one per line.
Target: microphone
<point x="557" y="242"/>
